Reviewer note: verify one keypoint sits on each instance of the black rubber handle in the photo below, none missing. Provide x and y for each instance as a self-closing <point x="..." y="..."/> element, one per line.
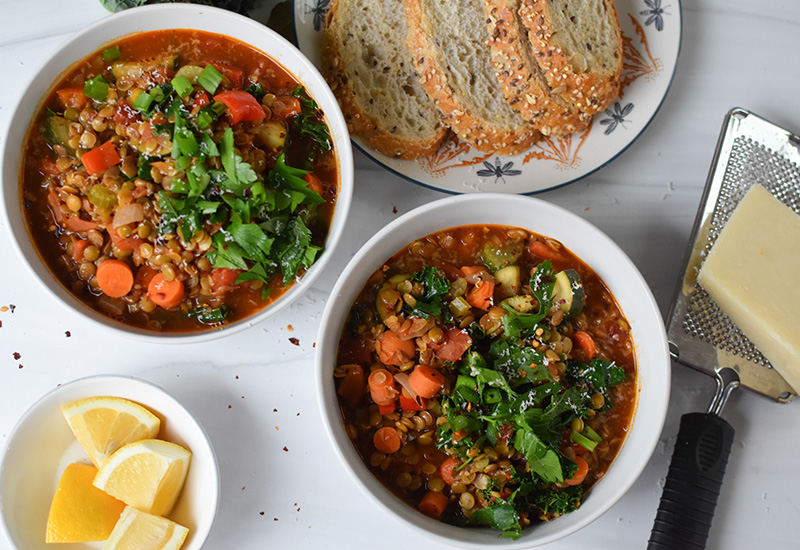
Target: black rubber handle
<point x="693" y="483"/>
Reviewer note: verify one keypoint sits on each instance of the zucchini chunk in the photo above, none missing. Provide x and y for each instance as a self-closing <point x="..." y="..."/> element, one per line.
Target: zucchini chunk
<point x="496" y="258"/>
<point x="56" y="131"/>
<point x="508" y="281"/>
<point x="568" y="293"/>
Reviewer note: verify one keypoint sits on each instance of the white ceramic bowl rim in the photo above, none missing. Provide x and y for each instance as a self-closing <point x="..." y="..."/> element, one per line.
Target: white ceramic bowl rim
<point x="625" y="282"/>
<point x="160" y="17"/>
<point x="180" y="425"/>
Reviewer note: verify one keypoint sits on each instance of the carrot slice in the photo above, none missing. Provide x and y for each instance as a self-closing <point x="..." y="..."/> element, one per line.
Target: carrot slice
<point x="101" y="158"/>
<point x="313" y="183"/>
<point x="586" y="343"/>
<point x="426" y="381"/>
<point x="447" y="469"/>
<point x="387" y="409"/>
<point x="433" y="504"/>
<point x="387" y="440"/>
<point x="481" y="295"/>
<point x="167" y="294"/>
<point x="545" y="252"/>
<point x="353" y="387"/>
<point x="115" y="278"/>
<point x="580" y="475"/>
<point x="381" y="387"/>
<point x="408" y="403"/>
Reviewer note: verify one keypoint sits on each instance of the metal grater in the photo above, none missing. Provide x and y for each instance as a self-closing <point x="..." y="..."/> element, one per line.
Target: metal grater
<point x="750" y="150"/>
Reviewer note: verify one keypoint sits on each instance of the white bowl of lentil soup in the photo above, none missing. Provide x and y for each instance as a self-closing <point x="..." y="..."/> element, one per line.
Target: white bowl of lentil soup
<point x="186" y="173"/>
<point x="493" y="365"/>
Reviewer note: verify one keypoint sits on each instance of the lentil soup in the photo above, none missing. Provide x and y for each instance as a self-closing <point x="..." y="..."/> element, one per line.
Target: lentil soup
<point x="487" y="377"/>
<point x="178" y="180"/>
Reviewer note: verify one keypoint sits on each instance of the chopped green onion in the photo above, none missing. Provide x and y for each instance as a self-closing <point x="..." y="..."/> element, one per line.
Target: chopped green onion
<point x="591" y="434"/>
<point x="144" y="166"/>
<point x="182" y="163"/>
<point x="110" y="54"/>
<point x="96" y="88"/>
<point x="210" y="79"/>
<point x="143" y="101"/>
<point x="157" y="94"/>
<point x="204" y="120"/>
<point x="583" y="441"/>
<point x="186" y="141"/>
<point x="491" y="396"/>
<point x="468" y="394"/>
<point x="182" y="85"/>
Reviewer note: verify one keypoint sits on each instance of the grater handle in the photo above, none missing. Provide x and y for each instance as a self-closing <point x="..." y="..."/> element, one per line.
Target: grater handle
<point x="693" y="483"/>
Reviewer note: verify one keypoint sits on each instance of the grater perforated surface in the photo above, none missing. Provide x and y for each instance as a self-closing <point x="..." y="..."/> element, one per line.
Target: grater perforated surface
<point x="750" y="151"/>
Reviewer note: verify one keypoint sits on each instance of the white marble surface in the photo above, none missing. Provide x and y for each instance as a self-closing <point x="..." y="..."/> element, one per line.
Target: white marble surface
<point x="254" y="391"/>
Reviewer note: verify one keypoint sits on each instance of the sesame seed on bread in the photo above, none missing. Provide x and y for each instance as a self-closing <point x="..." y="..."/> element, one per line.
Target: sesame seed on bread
<point x="521" y="78"/>
<point x="449" y="44"/>
<point x="371" y="73"/>
<point x="579" y="47"/>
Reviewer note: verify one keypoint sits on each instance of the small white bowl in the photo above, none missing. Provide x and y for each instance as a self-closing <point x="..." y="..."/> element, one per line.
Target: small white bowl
<point x="42" y="445"/>
<point x="594" y="248"/>
<point x="160" y="17"/>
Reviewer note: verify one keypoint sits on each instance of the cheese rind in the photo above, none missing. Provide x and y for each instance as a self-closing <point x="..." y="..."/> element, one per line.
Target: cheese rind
<point x="752" y="273"/>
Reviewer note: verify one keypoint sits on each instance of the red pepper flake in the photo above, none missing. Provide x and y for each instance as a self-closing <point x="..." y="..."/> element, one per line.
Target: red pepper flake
<point x="290" y="328"/>
<point x="294" y="341"/>
<point x="394" y="210"/>
<point x="274" y="519"/>
<point x="237" y="376"/>
<point x="285" y="450"/>
<point x="243" y="397"/>
<point x="314" y="345"/>
<point x="274" y="410"/>
<point x="229" y="406"/>
<point x="243" y="486"/>
<point x="67" y="333"/>
<point x="261" y="513"/>
<point x="17" y="355"/>
<point x="13" y="307"/>
<point x="20" y="365"/>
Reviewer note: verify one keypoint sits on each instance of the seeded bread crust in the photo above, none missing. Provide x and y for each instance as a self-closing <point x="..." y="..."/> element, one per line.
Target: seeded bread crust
<point x="570" y="74"/>
<point x="482" y="132"/>
<point x="521" y="78"/>
<point x="390" y="111"/>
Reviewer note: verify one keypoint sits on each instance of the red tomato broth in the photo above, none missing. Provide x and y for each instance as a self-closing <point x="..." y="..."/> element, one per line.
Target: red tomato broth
<point x="414" y="470"/>
<point x="53" y="240"/>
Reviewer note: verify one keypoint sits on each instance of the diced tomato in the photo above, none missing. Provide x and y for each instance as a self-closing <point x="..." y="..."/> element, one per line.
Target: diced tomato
<point x="393" y="350"/>
<point x="75" y="223"/>
<point x="125" y="244"/>
<point x="72" y="98"/>
<point x="200" y="100"/>
<point x="223" y="278"/>
<point x="410" y="404"/>
<point x="285" y="107"/>
<point x="241" y="105"/>
<point x="231" y="73"/>
<point x="55" y="205"/>
<point x="79" y="246"/>
<point x="125" y="114"/>
<point x="454" y="344"/>
<point x="143" y="276"/>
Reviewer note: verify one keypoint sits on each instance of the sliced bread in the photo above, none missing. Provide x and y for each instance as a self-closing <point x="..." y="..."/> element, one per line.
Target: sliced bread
<point x="371" y="73"/>
<point x="521" y="78"/>
<point x="579" y="47"/>
<point x="448" y="41"/>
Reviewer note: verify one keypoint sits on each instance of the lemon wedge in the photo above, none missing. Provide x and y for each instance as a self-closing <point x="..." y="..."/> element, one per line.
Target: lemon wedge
<point x="81" y="512"/>
<point x="147" y="474"/>
<point x="137" y="530"/>
<point x="104" y="424"/>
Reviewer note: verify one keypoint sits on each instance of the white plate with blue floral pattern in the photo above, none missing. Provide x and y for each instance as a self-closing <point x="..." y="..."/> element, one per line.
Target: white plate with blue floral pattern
<point x="651" y="33"/>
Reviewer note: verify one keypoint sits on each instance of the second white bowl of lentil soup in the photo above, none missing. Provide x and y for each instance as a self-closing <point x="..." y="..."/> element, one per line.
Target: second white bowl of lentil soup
<point x="493" y="365"/>
<point x="186" y="174"/>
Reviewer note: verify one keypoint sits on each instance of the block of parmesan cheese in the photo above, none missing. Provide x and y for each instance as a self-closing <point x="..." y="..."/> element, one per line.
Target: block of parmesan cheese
<point x="752" y="272"/>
